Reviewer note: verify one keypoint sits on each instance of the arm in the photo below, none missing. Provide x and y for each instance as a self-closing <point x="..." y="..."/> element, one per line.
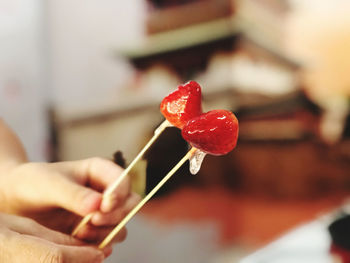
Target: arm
<point x="12" y="154"/>
<point x="11" y="149"/>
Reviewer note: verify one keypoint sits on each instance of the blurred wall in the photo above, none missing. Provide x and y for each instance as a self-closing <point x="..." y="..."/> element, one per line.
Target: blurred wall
<point x="23" y="78"/>
<point x="319" y="36"/>
<point x="61" y="53"/>
<point x="85" y="37"/>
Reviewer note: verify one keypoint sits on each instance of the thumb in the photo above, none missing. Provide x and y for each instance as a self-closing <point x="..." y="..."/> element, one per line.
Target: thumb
<point x="24" y="248"/>
<point x="76" y="198"/>
<point x="27" y="226"/>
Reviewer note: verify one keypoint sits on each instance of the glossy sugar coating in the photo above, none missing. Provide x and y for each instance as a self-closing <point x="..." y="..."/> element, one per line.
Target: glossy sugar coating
<point x="183" y="104"/>
<point x="214" y="132"/>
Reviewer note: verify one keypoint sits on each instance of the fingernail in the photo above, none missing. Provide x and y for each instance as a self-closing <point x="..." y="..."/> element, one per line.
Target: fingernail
<point x="100" y="258"/>
<point x="92" y="202"/>
<point x="107" y="204"/>
<point x="107" y="251"/>
<point x="96" y="218"/>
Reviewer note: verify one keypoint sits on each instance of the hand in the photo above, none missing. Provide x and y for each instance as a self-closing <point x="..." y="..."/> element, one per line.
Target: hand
<point x="24" y="240"/>
<point x="57" y="195"/>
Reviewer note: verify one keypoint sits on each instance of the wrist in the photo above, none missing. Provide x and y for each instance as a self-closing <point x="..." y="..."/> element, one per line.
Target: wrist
<point x="6" y="185"/>
<point x="7" y="166"/>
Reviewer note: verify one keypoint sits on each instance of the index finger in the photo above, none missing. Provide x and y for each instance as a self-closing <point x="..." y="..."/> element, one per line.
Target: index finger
<point x="101" y="174"/>
<point x="112" y="177"/>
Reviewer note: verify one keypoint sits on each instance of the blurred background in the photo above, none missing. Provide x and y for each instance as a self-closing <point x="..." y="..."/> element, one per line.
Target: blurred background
<point x="85" y="78"/>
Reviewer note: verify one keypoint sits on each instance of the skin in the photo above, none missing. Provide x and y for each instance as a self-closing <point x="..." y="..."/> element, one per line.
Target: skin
<point x="24" y="240"/>
<point x="55" y="196"/>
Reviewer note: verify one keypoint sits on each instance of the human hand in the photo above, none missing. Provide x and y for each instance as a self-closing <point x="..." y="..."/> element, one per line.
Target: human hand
<point x="24" y="240"/>
<point x="57" y="195"/>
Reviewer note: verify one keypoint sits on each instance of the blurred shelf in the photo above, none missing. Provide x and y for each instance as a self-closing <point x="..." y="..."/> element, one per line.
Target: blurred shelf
<point x="184" y="13"/>
<point x="189" y="49"/>
<point x="71" y="117"/>
<point x="182" y="38"/>
<point x="126" y="106"/>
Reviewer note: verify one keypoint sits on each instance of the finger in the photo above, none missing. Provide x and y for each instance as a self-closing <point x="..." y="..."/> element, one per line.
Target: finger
<point x="83" y="254"/>
<point x="104" y="172"/>
<point x="107" y="251"/>
<point x="76" y="198"/>
<point x="95" y="235"/>
<point x="28" y="226"/>
<point x="24" y="248"/>
<point x="56" y="253"/>
<point x="114" y="217"/>
<point x="100" y="174"/>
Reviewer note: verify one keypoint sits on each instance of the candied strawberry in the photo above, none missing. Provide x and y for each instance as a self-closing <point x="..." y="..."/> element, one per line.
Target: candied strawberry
<point x="183" y="104"/>
<point x="342" y="253"/>
<point x="214" y="132"/>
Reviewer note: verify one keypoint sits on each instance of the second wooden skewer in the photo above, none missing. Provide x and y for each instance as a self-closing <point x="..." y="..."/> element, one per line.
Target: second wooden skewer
<point x="116" y="230"/>
<point x="111" y="188"/>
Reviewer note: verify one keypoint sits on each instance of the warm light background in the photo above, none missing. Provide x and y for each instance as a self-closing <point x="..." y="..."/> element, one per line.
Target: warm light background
<point x="85" y="78"/>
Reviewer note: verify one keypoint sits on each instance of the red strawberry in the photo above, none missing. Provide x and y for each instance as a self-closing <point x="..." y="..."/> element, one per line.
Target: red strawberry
<point x="214" y="132"/>
<point x="183" y="104"/>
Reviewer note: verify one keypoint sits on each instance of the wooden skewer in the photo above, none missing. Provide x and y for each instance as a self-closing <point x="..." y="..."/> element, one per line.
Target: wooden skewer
<point x="111" y="189"/>
<point x="115" y="231"/>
